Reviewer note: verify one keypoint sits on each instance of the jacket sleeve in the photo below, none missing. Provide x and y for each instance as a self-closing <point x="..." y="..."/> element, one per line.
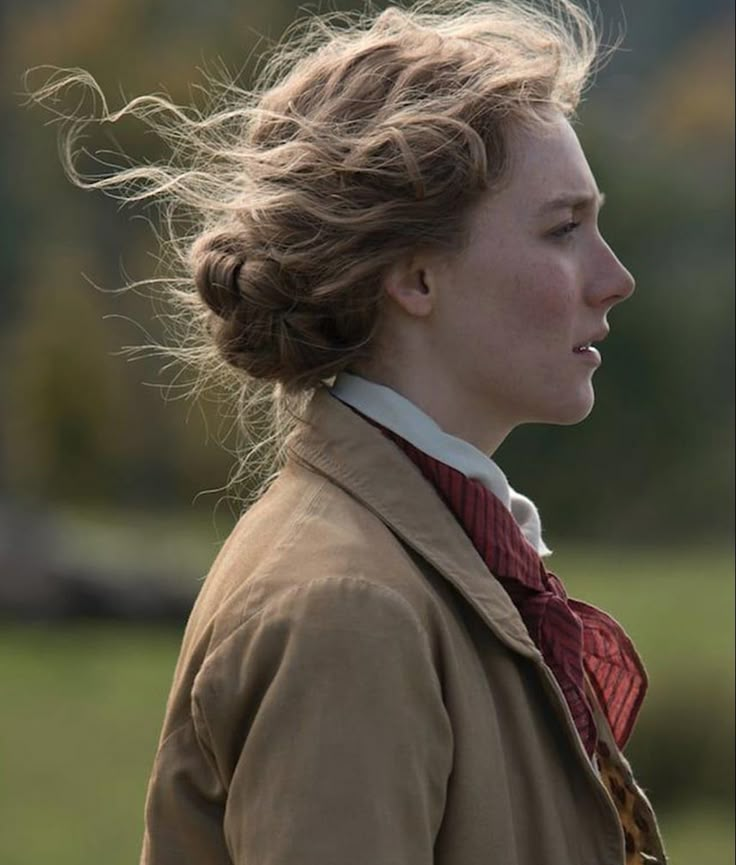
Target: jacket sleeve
<point x="323" y="715"/>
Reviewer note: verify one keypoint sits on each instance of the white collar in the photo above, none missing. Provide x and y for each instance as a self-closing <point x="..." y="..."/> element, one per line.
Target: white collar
<point x="395" y="412"/>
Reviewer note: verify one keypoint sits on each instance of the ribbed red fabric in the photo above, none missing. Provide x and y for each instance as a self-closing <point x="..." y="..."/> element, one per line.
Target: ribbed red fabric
<point x="571" y="635"/>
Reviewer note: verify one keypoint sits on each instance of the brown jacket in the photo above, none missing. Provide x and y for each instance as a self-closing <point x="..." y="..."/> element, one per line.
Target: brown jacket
<point x="355" y="688"/>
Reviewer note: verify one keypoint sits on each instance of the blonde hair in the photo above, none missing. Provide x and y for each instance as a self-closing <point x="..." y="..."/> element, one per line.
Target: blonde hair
<point x="364" y="138"/>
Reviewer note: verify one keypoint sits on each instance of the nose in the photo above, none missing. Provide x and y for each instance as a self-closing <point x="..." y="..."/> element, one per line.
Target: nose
<point x="614" y="283"/>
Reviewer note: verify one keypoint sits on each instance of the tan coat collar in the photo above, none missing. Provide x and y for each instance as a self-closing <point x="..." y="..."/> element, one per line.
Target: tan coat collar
<point x="337" y="443"/>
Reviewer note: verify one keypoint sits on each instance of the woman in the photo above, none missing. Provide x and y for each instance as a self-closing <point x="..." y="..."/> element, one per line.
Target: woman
<point x="400" y="233"/>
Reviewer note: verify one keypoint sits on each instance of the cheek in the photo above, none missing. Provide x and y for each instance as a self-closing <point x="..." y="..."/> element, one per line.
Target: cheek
<point x="536" y="308"/>
<point x="544" y="299"/>
<point x="505" y="303"/>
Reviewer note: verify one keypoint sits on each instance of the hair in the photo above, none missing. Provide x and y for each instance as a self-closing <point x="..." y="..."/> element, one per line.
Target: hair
<point x="365" y="137"/>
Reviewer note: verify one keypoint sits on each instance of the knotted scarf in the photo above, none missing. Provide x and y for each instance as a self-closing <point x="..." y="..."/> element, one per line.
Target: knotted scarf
<point x="574" y="637"/>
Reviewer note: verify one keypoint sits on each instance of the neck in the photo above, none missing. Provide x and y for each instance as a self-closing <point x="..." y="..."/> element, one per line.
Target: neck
<point x="437" y="398"/>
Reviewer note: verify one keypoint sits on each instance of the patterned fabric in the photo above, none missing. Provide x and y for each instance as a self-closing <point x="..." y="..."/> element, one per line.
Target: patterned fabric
<point x="637" y="824"/>
<point x="572" y="636"/>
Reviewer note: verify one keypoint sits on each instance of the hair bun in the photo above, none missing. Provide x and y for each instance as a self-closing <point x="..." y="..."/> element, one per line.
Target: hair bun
<point x="217" y="258"/>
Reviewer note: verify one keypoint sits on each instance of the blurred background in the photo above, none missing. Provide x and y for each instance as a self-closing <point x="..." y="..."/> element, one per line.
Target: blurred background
<point x="111" y="502"/>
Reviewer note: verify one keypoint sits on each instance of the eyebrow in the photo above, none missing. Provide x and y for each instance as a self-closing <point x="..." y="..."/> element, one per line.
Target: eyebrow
<point x="567" y="201"/>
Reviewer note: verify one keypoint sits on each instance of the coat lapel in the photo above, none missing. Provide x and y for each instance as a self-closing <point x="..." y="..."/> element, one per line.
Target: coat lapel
<point x="339" y="444"/>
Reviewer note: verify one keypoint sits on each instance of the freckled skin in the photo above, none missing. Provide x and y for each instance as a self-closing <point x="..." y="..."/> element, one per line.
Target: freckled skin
<point x="482" y="339"/>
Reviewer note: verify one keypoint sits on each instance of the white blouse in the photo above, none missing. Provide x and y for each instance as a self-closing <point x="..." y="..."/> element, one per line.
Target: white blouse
<point x="398" y="414"/>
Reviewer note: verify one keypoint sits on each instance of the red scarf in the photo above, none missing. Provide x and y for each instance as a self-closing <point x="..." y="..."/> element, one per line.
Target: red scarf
<point x="574" y="637"/>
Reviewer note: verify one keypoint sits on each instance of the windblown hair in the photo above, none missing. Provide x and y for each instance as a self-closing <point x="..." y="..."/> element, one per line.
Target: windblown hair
<point x="365" y="138"/>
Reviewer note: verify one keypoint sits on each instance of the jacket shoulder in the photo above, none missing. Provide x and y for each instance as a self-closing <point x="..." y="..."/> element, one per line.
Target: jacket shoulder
<point x="304" y="530"/>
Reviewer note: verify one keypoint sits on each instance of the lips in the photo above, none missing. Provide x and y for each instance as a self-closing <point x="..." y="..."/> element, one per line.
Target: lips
<point x="596" y="337"/>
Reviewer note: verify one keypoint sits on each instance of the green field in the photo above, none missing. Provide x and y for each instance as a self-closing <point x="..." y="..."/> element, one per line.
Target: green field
<point x="82" y="707"/>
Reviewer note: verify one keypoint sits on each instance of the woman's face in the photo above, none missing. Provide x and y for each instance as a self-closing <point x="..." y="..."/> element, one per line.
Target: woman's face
<point x="534" y="282"/>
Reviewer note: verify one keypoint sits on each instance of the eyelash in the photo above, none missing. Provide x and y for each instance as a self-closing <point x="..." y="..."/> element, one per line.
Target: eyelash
<point x="566" y="230"/>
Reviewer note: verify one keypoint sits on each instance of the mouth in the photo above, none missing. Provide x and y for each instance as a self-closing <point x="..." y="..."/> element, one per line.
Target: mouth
<point x="584" y="347"/>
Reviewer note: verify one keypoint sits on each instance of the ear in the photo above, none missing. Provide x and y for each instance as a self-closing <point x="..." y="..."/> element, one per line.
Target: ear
<point x="410" y="285"/>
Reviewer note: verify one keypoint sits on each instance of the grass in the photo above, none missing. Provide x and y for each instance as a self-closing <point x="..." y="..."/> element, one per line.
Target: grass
<point x="700" y="835"/>
<point x="83" y="705"/>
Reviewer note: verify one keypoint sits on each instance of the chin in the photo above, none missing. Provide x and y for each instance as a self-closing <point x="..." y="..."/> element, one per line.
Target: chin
<point x="569" y="414"/>
<point x="579" y="413"/>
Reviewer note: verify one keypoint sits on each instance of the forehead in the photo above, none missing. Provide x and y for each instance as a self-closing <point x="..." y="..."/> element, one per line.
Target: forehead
<point x="548" y="168"/>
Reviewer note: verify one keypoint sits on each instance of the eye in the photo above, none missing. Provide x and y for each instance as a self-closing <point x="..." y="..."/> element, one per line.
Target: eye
<point x="565" y="230"/>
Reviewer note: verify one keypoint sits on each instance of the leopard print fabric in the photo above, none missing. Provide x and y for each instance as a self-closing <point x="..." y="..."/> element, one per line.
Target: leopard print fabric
<point x="637" y="826"/>
<point x="642" y="840"/>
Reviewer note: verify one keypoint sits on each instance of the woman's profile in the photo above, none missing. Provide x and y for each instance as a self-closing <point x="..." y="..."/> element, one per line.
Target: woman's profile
<point x="396" y="239"/>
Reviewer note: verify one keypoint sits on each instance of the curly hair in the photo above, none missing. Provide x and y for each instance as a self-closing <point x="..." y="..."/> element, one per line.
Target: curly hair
<point x="365" y="138"/>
